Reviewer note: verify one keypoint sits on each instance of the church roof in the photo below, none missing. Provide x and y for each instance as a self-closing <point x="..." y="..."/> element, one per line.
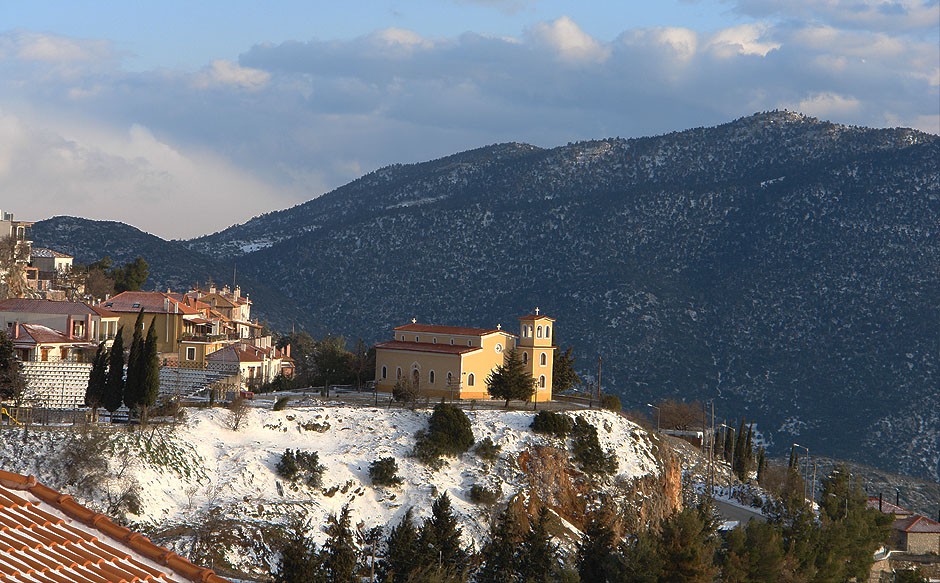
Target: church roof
<point x="453" y="330"/>
<point x="427" y="347"/>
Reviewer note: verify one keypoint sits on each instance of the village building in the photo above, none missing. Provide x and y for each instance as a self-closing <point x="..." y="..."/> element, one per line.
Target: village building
<point x="76" y="323"/>
<point x="48" y="536"/>
<point x="257" y="364"/>
<point x="17" y="284"/>
<point x="454" y="362"/>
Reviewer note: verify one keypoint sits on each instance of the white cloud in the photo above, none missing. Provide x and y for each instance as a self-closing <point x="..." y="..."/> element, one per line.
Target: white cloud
<point x="222" y="72"/>
<point x="132" y="177"/>
<point x="873" y="15"/>
<point x="33" y="46"/>
<point x="827" y="105"/>
<point x="569" y="42"/>
<point x="746" y="39"/>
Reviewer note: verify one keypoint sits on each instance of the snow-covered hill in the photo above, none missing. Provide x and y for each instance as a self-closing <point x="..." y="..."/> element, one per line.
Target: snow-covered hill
<point x="203" y="485"/>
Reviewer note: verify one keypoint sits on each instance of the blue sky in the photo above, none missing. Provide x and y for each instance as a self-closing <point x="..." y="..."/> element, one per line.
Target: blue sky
<point x="182" y="118"/>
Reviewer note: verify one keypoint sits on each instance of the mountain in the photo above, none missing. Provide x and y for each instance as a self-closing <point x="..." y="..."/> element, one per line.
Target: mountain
<point x="784" y="266"/>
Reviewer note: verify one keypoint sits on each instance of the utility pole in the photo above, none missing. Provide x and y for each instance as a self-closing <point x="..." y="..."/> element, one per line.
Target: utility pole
<point x="599" y="380"/>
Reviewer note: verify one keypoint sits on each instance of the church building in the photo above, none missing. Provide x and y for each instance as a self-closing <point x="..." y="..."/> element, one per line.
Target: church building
<point x="454" y="362"/>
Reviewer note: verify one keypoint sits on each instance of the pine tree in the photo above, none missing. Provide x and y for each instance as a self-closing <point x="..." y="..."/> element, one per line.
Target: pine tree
<point x="94" y="393"/>
<point x="563" y="374"/>
<point x="598" y="559"/>
<point x="439" y="539"/>
<point x="133" y="382"/>
<point x="340" y="555"/>
<point x="114" y="387"/>
<point x="538" y="554"/>
<point x="150" y="372"/>
<point x="299" y="563"/>
<point x="510" y="380"/>
<point x="688" y="546"/>
<point x="401" y="556"/>
<point x="501" y="552"/>
<point x="642" y="562"/>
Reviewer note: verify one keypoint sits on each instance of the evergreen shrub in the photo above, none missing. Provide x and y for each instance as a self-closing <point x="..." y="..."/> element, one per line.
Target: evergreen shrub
<point x="487" y="450"/>
<point x="587" y="449"/>
<point x="303" y="466"/>
<point x="449" y="433"/>
<point x="548" y="422"/>
<point x="384" y="472"/>
<point x="482" y="495"/>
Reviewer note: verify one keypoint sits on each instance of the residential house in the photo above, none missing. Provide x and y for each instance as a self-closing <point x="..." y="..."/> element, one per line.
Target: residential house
<point x="52" y="269"/>
<point x="48" y="536"/>
<point x="455" y="361"/>
<point x="910" y="532"/>
<point x="77" y="322"/>
<point x="257" y="364"/>
<point x="21" y="232"/>
<point x="174" y="317"/>
<point x="233" y="306"/>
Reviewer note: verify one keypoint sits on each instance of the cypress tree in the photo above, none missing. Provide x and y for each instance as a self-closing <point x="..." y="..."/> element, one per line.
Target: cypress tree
<point x="510" y="380"/>
<point x="299" y="563"/>
<point x="500" y="554"/>
<point x="150" y="372"/>
<point x="94" y="393"/>
<point x="132" y="385"/>
<point x="340" y="555"/>
<point x="761" y="463"/>
<point x="688" y="547"/>
<point x="729" y="447"/>
<point x="740" y="460"/>
<point x="401" y="557"/>
<point x="114" y="386"/>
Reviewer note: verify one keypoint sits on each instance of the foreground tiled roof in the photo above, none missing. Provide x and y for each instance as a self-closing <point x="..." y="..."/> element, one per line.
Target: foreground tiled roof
<point x="38" y="334"/>
<point x="47" y="537"/>
<point x="427" y="347"/>
<point x="456" y="330"/>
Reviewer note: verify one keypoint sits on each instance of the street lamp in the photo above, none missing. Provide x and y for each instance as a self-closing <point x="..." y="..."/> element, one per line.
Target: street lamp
<point x="657" y="414"/>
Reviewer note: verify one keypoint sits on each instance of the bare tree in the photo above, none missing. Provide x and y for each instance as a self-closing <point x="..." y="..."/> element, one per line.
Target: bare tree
<point x="13" y="259"/>
<point x="237" y="411"/>
<point x="680" y="415"/>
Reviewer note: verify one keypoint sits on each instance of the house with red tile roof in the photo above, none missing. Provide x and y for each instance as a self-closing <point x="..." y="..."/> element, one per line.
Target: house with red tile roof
<point x="48" y="537"/>
<point x="256" y="364"/>
<point x="76" y="320"/>
<point x="454" y="361"/>
<point x="911" y="532"/>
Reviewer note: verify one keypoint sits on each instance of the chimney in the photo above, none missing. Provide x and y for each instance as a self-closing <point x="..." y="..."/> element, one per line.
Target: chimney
<point x="16" y="330"/>
<point x="879" y="501"/>
<point x="897" y="497"/>
<point x="287" y="350"/>
<point x="238" y="292"/>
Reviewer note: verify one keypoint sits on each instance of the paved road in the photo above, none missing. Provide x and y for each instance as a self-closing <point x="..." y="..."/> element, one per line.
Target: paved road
<point x="732" y="512"/>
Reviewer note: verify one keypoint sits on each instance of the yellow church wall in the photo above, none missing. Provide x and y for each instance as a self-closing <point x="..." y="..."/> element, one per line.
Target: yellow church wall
<point x="423" y="362"/>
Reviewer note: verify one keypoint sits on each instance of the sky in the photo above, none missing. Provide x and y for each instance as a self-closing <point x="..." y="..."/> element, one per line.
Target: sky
<point x="183" y="118"/>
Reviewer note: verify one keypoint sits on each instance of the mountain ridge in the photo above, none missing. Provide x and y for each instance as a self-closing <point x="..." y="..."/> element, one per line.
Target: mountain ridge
<point x="784" y="266"/>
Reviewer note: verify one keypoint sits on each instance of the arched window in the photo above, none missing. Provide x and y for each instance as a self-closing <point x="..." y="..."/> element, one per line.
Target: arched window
<point x="548" y="331"/>
<point x="434" y="340"/>
<point x="384" y="372"/>
<point x="451" y="341"/>
<point x="402" y="337"/>
<point x="543" y="360"/>
<point x="431" y="377"/>
<point x="538" y="332"/>
<point x="398" y="373"/>
<point x="416" y="338"/>
<point x="470" y="380"/>
<point x="525" y="358"/>
<point x="542" y="382"/>
<point x="469" y="343"/>
<point x="450" y="377"/>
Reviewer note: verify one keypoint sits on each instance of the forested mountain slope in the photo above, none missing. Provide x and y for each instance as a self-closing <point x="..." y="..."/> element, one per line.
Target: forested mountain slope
<point x="788" y="267"/>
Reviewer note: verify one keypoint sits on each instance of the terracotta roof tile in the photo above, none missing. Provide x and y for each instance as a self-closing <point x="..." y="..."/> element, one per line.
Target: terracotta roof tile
<point x="48" y="537"/>
<point x="41" y="335"/>
<point x="151" y="302"/>
<point x="917" y="523"/>
<point x="45" y="252"/>
<point x="454" y="330"/>
<point x="31" y="306"/>
<point x="427" y="347"/>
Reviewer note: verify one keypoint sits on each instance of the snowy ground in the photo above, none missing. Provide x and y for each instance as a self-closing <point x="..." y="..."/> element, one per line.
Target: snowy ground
<point x="203" y="463"/>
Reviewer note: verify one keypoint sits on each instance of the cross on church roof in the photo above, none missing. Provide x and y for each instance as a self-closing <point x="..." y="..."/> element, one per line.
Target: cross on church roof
<point x="536" y="310"/>
<point x="414" y="320"/>
<point x="499" y="326"/>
